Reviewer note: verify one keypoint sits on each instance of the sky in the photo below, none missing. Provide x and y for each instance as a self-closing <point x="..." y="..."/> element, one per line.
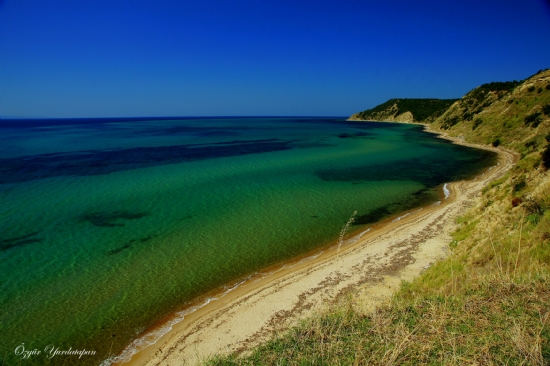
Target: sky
<point x="122" y="58"/>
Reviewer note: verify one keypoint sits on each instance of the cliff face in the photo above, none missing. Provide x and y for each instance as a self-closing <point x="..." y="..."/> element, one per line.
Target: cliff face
<point x="390" y="114"/>
<point x="405" y="110"/>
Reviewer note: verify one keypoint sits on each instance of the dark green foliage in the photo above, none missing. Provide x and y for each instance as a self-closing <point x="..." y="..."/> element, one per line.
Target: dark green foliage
<point x="468" y="116"/>
<point x="500" y="85"/>
<point x="546" y="109"/>
<point x="534" y="119"/>
<point x="539" y="90"/>
<point x="546" y="156"/>
<point x="480" y="92"/>
<point x="477" y="122"/>
<point x="531" y="89"/>
<point x="531" y="144"/>
<point x="519" y="185"/>
<point x="547" y="137"/>
<point x="448" y="123"/>
<point x="496" y="142"/>
<point x="548" y="87"/>
<point x="421" y="109"/>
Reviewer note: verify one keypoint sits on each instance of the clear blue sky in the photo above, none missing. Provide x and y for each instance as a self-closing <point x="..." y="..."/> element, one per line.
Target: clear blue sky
<point x="115" y="58"/>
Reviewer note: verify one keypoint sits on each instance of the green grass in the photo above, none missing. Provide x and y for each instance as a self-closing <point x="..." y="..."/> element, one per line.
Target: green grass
<point x="432" y="329"/>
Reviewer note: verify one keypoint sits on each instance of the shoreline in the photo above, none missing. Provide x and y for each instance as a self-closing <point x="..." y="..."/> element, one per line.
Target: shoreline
<point x="371" y="263"/>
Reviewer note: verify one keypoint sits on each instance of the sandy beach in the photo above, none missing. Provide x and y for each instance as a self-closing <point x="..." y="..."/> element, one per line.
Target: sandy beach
<point x="370" y="266"/>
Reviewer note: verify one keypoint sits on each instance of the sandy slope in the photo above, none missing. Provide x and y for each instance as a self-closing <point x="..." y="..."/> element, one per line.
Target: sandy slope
<point x="371" y="268"/>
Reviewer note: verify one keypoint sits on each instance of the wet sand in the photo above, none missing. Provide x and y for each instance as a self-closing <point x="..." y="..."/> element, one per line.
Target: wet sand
<point x="371" y="269"/>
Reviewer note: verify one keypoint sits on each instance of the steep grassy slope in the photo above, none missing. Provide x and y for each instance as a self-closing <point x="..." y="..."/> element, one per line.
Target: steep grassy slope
<point x="514" y="114"/>
<point x="406" y="110"/>
<point x="488" y="302"/>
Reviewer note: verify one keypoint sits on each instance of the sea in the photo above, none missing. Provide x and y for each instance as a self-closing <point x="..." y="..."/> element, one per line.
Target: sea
<point x="109" y="226"/>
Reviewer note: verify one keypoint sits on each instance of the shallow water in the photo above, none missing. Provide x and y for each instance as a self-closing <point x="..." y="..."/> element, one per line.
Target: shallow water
<point x="108" y="226"/>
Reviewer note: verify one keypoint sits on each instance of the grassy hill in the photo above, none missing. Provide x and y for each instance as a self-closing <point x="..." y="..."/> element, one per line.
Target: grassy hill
<point x="488" y="302"/>
<point x="406" y="110"/>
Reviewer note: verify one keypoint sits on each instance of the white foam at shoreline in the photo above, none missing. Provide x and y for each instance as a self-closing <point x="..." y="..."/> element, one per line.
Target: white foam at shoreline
<point x="401" y="217"/>
<point x="446" y="191"/>
<point x="355" y="238"/>
<point x="307" y="259"/>
<point x="364" y="232"/>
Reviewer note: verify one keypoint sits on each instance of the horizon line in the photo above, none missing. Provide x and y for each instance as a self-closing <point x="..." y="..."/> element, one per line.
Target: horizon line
<point x="12" y="118"/>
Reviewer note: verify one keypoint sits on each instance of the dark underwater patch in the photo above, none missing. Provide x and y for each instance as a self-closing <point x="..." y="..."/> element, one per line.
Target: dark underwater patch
<point x="199" y="131"/>
<point x="98" y="162"/>
<point x="373" y="216"/>
<point x="430" y="172"/>
<point x="30" y="238"/>
<point x="111" y="219"/>
<point x="417" y="199"/>
<point x="118" y="250"/>
<point x="129" y="244"/>
<point x="355" y="135"/>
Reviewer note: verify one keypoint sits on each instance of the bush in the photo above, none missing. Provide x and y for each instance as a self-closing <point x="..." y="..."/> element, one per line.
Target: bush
<point x="476" y="124"/>
<point x="450" y="122"/>
<point x="519" y="185"/>
<point x="546" y="157"/>
<point x="546" y="109"/>
<point x="496" y="142"/>
<point x="534" y="119"/>
<point x="531" y="89"/>
<point x="539" y="90"/>
<point x="516" y="202"/>
<point x="548" y="87"/>
<point x="531" y="145"/>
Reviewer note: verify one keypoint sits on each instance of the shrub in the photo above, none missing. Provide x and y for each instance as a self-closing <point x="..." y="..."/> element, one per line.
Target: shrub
<point x="450" y="122"/>
<point x="539" y="90"/>
<point x="548" y="87"/>
<point x="531" y="89"/>
<point x="531" y="144"/>
<point x="496" y="142"/>
<point x="546" y="109"/>
<point x="476" y="124"/>
<point x="516" y="202"/>
<point x="546" y="157"/>
<point x="534" y="119"/>
<point x="519" y="185"/>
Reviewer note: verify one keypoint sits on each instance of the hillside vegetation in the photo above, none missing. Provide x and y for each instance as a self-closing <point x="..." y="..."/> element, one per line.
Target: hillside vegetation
<point x="488" y="302"/>
<point x="406" y="110"/>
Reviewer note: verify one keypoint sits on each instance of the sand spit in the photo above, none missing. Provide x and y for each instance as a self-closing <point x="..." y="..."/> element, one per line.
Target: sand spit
<point x="371" y="266"/>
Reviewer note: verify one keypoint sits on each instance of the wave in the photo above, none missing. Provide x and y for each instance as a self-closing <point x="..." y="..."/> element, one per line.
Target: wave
<point x="401" y="217"/>
<point x="446" y="191"/>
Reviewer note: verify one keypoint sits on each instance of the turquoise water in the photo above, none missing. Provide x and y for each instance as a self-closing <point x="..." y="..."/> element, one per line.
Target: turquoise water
<point x="108" y="226"/>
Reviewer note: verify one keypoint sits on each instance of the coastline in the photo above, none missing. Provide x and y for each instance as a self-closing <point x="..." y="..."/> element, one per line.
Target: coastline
<point x="372" y="267"/>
